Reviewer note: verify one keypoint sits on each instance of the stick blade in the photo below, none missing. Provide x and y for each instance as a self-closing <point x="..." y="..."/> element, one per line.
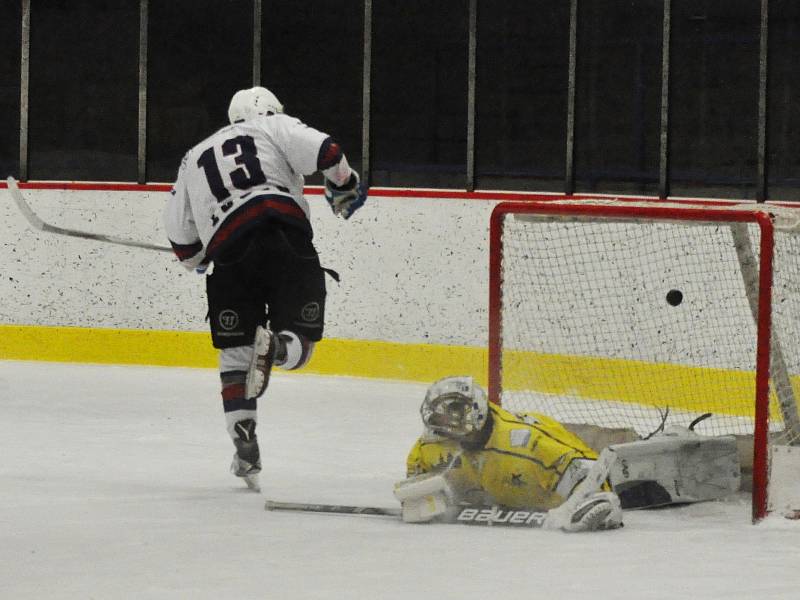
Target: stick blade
<point x="23" y="206"/>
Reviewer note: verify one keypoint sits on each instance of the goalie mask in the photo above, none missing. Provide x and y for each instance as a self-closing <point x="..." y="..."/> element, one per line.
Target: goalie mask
<point x="248" y="104"/>
<point x="455" y="407"/>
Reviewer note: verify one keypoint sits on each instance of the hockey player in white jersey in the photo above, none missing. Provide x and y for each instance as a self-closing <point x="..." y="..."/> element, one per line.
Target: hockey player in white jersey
<point x="238" y="203"/>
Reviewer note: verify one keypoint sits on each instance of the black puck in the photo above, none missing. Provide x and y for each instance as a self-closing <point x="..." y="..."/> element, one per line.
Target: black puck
<point x="674" y="297"/>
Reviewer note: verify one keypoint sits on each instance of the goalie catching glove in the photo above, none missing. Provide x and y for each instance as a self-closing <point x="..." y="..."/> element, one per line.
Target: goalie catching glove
<point x="346" y="199"/>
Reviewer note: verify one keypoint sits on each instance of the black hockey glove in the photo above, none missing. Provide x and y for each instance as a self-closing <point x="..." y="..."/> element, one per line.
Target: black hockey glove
<point x="346" y="199"/>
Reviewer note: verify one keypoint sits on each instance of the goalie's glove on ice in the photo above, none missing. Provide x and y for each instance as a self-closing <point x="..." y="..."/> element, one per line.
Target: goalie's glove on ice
<point x="600" y="511"/>
<point x="346" y="199"/>
<point x="423" y="497"/>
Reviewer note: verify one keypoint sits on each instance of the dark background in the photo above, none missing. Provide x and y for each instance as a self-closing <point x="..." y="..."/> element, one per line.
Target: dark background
<point x="83" y="117"/>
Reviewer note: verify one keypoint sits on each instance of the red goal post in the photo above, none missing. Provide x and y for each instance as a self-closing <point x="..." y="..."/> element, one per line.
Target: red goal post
<point x="614" y="313"/>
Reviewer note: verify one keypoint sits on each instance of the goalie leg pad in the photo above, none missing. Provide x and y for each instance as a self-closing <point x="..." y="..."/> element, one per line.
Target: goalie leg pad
<point x="676" y="467"/>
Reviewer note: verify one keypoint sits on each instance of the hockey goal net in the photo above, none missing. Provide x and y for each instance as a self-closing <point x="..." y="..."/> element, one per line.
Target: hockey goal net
<point x="624" y="314"/>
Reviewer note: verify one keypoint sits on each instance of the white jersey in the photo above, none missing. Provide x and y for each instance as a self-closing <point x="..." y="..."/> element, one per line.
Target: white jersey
<point x="242" y="175"/>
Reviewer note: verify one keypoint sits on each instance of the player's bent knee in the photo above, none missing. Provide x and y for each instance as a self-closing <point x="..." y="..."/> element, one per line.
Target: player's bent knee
<point x="297" y="350"/>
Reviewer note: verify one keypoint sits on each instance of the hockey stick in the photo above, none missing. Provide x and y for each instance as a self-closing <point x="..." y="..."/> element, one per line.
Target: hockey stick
<point x="556" y="518"/>
<point x="468" y="515"/>
<point x="332" y="508"/>
<point x="37" y="223"/>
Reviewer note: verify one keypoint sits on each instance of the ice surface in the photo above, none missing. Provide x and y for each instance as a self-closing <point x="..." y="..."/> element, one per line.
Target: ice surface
<point x="114" y="484"/>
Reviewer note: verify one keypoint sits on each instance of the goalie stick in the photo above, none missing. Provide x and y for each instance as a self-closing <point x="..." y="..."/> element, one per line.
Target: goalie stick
<point x="332" y="508"/>
<point x="37" y="223"/>
<point x="484" y="515"/>
<point x="468" y="515"/>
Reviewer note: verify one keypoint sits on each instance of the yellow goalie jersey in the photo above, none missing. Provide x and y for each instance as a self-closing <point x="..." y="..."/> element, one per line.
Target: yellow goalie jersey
<point x="528" y="461"/>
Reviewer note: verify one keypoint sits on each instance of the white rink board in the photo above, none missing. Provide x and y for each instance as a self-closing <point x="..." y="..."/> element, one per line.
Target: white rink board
<point x="412" y="270"/>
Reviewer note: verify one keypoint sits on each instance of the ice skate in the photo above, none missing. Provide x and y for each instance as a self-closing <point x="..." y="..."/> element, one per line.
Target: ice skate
<point x="247" y="460"/>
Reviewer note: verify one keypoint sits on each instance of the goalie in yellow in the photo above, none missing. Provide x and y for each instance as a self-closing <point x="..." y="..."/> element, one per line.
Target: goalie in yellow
<point x="475" y="453"/>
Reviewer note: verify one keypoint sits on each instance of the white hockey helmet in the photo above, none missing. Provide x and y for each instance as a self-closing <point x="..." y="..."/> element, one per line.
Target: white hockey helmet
<point x="455" y="407"/>
<point x="247" y="104"/>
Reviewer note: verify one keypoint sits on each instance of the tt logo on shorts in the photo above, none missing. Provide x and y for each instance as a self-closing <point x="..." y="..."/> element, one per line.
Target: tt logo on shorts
<point x="310" y="312"/>
<point x="228" y="319"/>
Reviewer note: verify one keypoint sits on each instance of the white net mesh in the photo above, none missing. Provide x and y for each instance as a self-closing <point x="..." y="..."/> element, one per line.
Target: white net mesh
<point x="614" y="322"/>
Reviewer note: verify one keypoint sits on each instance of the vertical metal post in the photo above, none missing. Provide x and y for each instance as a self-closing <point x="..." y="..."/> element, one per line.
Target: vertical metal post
<point x="256" y="42"/>
<point x="23" y="89"/>
<point x="764" y="334"/>
<point x="495" y="350"/>
<point x="663" y="164"/>
<point x="142" y="143"/>
<point x="569" y="172"/>
<point x="472" y="45"/>
<point x="365" y="102"/>
<point x="761" y="183"/>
